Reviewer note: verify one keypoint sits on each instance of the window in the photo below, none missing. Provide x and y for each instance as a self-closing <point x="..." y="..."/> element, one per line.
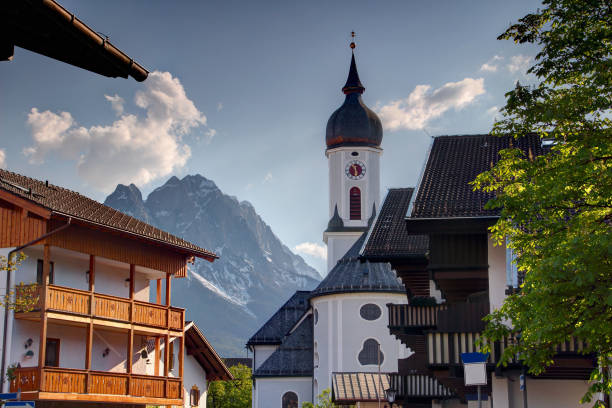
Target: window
<point x="290" y="400"/>
<point x="355" y="203"/>
<point x="370" y="311"/>
<point x="52" y="353"/>
<point x="316" y="315"/>
<point x="39" y="272"/>
<point x="194" y="396"/>
<point x="368" y="354"/>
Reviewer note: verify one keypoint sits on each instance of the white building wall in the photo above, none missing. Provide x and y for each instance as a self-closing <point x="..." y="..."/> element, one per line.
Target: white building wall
<point x="261" y="354"/>
<point x="340" y="333"/>
<point x="337" y="246"/>
<point x="268" y="392"/>
<point x="194" y="374"/>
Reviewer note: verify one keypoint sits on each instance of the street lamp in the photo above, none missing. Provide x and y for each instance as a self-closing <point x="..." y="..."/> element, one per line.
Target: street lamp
<point x="390" y="395"/>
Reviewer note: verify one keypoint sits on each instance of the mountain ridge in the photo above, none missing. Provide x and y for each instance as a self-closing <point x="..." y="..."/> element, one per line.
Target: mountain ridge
<point x="254" y="270"/>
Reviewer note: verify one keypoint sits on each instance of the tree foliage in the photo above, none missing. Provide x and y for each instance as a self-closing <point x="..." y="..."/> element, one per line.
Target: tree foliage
<point x="231" y="394"/>
<point x="556" y="209"/>
<point x="24" y="296"/>
<point x="323" y="401"/>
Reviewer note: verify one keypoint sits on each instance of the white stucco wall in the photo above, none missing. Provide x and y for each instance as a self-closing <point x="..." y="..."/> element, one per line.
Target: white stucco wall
<point x="193" y="374"/>
<point x="340" y="333"/>
<point x="338" y="243"/>
<point x="497" y="274"/>
<point x="268" y="392"/>
<point x="540" y="393"/>
<point x="261" y="354"/>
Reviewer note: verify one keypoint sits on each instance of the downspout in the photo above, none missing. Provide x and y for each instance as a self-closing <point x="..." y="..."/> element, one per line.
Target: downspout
<point x="8" y="314"/>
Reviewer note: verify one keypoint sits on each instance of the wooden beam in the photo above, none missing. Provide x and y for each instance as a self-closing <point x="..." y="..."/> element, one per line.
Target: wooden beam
<point x="88" y="346"/>
<point x="132" y="271"/>
<point x="128" y="365"/>
<point x="181" y="356"/>
<point x="166" y="355"/>
<point x="157" y="354"/>
<point x="42" y="347"/>
<point x="168" y="288"/>
<point x="158" y="293"/>
<point x="22" y="203"/>
<point x="92" y="273"/>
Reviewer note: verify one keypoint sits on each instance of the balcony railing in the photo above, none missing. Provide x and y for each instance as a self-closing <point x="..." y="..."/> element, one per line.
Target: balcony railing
<point x="413" y="317"/>
<point x="79" y="302"/>
<point x="418" y="386"/>
<point x="68" y="380"/>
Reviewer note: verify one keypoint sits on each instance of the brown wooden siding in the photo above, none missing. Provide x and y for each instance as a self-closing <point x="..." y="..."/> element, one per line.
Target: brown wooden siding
<point x="15" y="231"/>
<point x="119" y="248"/>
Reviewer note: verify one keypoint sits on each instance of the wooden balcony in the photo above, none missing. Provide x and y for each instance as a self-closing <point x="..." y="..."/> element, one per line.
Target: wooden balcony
<point x="415" y="387"/>
<point x="407" y="319"/>
<point x="95" y="386"/>
<point x="63" y="300"/>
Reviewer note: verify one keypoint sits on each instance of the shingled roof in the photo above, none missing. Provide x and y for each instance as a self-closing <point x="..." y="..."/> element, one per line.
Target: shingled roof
<point x="352" y="275"/>
<point x="63" y="202"/>
<point x="389" y="238"/>
<point x="277" y="327"/>
<point x="294" y="357"/>
<point x="455" y="161"/>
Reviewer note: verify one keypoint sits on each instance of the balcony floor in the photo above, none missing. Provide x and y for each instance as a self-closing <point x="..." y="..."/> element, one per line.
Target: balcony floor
<point x="96" y="398"/>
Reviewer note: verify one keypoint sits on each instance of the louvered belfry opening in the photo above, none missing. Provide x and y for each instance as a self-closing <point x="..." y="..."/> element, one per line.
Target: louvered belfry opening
<point x="355" y="203"/>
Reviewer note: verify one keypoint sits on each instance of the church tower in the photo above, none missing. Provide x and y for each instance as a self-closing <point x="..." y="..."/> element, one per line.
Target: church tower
<point x="353" y="137"/>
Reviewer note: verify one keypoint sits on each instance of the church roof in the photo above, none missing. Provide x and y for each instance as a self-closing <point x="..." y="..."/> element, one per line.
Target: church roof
<point x="275" y="329"/>
<point x="294" y="357"/>
<point x="353" y="275"/>
<point x="388" y="238"/>
<point x="353" y="123"/>
<point x="453" y="163"/>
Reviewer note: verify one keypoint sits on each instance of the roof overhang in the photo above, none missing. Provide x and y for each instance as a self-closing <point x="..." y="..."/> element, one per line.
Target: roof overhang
<point x="45" y="27"/>
<point x="198" y="346"/>
<point x="454" y="225"/>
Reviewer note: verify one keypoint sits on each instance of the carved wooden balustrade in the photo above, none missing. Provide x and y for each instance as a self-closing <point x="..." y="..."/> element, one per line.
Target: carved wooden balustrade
<point x="68" y="380"/>
<point x="79" y="302"/>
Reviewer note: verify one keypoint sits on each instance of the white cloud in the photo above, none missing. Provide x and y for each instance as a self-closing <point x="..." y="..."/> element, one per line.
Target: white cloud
<point x="2" y="158"/>
<point x="219" y="106"/>
<point x="519" y="63"/>
<point x="422" y="105"/>
<point x="132" y="149"/>
<point x="116" y="103"/>
<point x="268" y="178"/>
<point x="493" y="111"/>
<point x="490" y="65"/>
<point x="312" y="249"/>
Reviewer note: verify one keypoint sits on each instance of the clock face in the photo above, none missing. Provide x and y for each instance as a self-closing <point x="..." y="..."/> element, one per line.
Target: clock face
<point x="355" y="170"/>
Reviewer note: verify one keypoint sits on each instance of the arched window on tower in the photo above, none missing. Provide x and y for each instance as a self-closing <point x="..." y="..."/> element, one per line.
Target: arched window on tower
<point x="355" y="203"/>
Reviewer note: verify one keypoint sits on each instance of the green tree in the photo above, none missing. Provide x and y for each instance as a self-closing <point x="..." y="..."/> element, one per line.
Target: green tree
<point x="556" y="209"/>
<point x="323" y="401"/>
<point x="231" y="394"/>
<point x="25" y="296"/>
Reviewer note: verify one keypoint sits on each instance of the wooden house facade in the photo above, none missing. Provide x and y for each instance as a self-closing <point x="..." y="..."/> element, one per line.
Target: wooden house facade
<point x="96" y="334"/>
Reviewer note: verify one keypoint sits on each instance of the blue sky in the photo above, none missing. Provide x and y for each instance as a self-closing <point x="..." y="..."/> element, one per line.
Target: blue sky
<point x="242" y="91"/>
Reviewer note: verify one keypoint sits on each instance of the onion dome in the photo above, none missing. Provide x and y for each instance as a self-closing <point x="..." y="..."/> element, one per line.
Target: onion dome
<point x="353" y="124"/>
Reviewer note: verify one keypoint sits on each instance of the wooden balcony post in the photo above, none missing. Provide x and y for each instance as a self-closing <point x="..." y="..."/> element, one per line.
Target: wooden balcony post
<point x="128" y="365"/>
<point x="88" y="347"/>
<point x="132" y="270"/>
<point x="158" y="291"/>
<point x="42" y="347"/>
<point x="168" y="292"/>
<point x="157" y="354"/>
<point x="181" y="360"/>
<point x="92" y="283"/>
<point x="166" y="355"/>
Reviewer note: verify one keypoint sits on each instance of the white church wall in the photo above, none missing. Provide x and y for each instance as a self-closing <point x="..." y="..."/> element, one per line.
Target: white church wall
<point x="340" y="333"/>
<point x="337" y="246"/>
<point x="268" y="392"/>
<point x="261" y="354"/>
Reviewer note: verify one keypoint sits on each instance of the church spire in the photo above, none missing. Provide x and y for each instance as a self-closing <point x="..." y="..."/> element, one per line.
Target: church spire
<point x="353" y="84"/>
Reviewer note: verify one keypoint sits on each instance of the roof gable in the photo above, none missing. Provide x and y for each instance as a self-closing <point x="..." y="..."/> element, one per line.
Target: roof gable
<point x="68" y="203"/>
<point x="453" y="163"/>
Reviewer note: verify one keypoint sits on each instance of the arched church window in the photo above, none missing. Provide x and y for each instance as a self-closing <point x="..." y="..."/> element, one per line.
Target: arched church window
<point x="290" y="400"/>
<point x="368" y="354"/>
<point x="370" y="311"/>
<point x="355" y="203"/>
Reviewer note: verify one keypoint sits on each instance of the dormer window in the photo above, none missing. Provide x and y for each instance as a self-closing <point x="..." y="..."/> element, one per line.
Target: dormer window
<point x="355" y="203"/>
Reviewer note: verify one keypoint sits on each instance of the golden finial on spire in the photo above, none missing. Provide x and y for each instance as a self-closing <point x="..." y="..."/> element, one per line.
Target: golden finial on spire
<point x="353" y="42"/>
